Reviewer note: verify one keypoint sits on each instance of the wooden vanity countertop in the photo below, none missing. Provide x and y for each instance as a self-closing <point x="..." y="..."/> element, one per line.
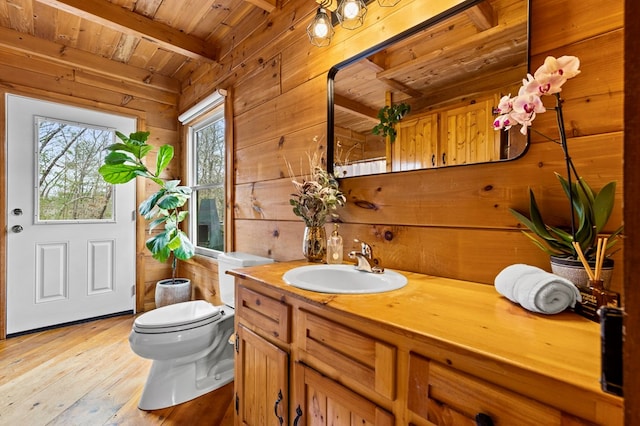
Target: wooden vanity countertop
<point x="472" y="319"/>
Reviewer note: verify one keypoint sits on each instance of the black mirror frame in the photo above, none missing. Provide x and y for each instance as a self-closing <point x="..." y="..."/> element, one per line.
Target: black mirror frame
<point x="460" y="7"/>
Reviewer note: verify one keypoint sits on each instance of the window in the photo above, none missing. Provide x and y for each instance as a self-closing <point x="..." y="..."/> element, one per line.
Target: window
<point x="69" y="187"/>
<point x="207" y="166"/>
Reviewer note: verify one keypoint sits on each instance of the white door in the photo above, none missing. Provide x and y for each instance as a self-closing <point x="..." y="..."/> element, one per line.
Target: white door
<point x="70" y="236"/>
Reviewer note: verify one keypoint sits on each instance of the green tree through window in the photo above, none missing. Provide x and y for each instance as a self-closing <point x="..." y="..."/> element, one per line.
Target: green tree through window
<point x="208" y="163"/>
<point x="70" y="187"/>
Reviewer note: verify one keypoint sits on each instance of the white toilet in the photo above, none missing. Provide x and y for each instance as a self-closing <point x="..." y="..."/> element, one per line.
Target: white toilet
<point x="189" y="342"/>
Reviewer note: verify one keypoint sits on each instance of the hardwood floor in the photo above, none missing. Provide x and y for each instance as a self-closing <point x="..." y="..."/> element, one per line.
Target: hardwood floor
<point x="86" y="374"/>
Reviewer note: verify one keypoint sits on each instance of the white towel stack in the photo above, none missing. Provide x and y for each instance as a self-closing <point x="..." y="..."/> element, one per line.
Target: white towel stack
<point x="536" y="290"/>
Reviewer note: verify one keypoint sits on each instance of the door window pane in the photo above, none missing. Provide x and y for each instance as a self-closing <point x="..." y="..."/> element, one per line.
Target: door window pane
<point x="69" y="186"/>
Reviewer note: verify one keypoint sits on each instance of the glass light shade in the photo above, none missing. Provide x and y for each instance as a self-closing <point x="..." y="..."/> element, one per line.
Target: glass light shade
<point x="351" y="13"/>
<point x="388" y="3"/>
<point x="320" y="30"/>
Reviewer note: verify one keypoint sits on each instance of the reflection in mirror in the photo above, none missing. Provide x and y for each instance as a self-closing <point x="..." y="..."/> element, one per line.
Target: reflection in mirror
<point x="451" y="72"/>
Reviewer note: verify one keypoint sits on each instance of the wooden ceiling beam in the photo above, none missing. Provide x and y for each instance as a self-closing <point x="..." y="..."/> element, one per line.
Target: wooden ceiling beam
<point x="347" y="105"/>
<point x="26" y="44"/>
<point x="268" y="5"/>
<point x="483" y="16"/>
<point x="450" y="54"/>
<point x="120" y="19"/>
<point x="373" y="63"/>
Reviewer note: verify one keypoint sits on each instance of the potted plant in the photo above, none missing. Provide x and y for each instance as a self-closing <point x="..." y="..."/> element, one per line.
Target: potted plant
<point x="591" y="209"/>
<point x="316" y="198"/>
<point x="164" y="208"/>
<point x="389" y="115"/>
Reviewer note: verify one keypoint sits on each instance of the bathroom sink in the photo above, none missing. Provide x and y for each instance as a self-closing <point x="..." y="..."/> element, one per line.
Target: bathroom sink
<point x="344" y="279"/>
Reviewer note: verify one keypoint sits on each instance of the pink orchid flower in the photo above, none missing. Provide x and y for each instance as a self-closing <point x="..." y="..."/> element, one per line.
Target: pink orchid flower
<point x="547" y="80"/>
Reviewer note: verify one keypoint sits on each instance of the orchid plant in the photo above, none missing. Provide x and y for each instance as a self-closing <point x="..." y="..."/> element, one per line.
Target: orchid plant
<point x="591" y="208"/>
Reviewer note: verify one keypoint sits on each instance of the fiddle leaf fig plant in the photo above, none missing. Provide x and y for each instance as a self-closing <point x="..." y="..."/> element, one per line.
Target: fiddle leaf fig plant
<point x="389" y="115"/>
<point x="164" y="207"/>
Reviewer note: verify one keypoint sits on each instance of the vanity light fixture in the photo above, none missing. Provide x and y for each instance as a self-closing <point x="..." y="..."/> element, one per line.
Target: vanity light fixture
<point x="320" y="30"/>
<point x="351" y="13"/>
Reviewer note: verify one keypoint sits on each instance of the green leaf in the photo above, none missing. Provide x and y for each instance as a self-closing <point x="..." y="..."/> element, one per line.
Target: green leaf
<point x="156" y="222"/>
<point x="158" y="245"/>
<point x="147" y="205"/>
<point x="539" y="226"/>
<point x="182" y="216"/>
<point x="172" y="201"/>
<point x="117" y="157"/>
<point x="603" y="205"/>
<point x="138" y="151"/>
<point x="138" y="137"/>
<point x="185" y="250"/>
<point x="117" y="173"/>
<point x="165" y="154"/>
<point x="171" y="184"/>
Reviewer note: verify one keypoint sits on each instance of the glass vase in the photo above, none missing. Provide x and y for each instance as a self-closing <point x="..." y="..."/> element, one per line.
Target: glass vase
<point x="314" y="243"/>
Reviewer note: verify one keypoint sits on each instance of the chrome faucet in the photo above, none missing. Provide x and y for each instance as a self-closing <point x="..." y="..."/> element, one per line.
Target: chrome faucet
<point x="365" y="259"/>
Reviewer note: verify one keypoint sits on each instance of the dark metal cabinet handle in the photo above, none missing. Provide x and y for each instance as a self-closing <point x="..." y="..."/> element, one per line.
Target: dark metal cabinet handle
<point x="483" y="420"/>
<point x="444" y="158"/>
<point x="275" y="408"/>
<point x="298" y="416"/>
<point x="433" y="160"/>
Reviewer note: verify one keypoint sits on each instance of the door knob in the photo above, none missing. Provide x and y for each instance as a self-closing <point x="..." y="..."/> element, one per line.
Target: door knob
<point x="17" y="228"/>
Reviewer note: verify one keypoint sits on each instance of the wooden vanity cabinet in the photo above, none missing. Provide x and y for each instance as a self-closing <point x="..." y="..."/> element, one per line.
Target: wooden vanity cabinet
<point x="262" y="326"/>
<point x="308" y="358"/>
<point x="266" y="392"/>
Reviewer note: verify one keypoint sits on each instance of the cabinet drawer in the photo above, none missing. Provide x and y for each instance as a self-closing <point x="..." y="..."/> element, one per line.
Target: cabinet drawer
<point x="352" y="355"/>
<point x="447" y="397"/>
<point x="264" y="313"/>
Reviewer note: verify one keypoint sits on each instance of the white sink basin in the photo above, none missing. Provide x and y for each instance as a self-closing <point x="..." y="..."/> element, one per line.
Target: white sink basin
<point x="343" y="279"/>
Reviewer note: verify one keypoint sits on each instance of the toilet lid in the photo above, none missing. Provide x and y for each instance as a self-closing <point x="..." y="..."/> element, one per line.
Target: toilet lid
<point x="179" y="314"/>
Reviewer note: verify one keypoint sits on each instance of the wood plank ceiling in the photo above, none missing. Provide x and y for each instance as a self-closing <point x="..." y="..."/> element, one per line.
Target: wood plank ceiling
<point x="168" y="38"/>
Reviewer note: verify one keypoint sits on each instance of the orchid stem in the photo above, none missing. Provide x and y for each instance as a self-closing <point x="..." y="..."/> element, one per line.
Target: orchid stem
<point x="567" y="159"/>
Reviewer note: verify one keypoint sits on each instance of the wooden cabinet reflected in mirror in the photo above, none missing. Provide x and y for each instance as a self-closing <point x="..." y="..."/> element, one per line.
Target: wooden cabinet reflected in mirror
<point x="452" y="71"/>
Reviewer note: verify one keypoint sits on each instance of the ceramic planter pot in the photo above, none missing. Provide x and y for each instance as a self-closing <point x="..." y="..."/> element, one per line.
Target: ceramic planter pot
<point x="573" y="270"/>
<point x="169" y="291"/>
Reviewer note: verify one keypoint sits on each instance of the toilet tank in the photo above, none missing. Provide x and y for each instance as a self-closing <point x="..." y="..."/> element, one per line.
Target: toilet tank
<point x="234" y="260"/>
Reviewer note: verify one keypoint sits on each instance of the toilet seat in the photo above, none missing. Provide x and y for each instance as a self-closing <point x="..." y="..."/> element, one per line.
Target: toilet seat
<point x="177" y="317"/>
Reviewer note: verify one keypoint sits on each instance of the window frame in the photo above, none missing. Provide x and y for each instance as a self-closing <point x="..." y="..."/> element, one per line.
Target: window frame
<point x="215" y="111"/>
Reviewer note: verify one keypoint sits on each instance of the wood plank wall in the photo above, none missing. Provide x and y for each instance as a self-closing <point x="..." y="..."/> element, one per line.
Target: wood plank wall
<point x="36" y="68"/>
<point x="452" y="222"/>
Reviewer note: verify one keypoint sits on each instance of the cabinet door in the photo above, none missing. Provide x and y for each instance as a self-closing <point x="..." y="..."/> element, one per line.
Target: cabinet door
<point x="321" y="402"/>
<point x="416" y="145"/>
<point x="262" y="381"/>
<point x="468" y="135"/>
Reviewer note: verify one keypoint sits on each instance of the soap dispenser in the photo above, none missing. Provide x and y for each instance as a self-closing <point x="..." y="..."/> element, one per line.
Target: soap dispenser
<point x="334" y="246"/>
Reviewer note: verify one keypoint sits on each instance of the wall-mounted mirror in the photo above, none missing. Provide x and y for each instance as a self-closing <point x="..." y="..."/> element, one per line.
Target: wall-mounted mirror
<point x="451" y="72"/>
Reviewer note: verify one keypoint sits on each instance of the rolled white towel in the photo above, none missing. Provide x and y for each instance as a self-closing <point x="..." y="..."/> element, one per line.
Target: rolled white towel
<point x="536" y="290"/>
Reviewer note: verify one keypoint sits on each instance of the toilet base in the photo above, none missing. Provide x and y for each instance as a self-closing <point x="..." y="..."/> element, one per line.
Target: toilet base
<point x="172" y="382"/>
